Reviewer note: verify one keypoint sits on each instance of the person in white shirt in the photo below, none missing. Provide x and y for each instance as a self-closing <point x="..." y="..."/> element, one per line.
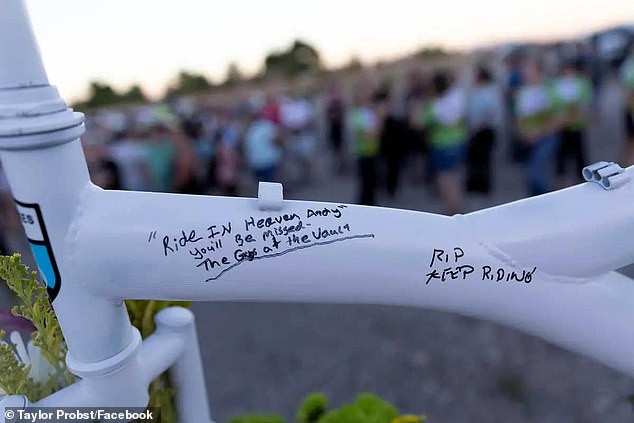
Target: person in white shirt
<point x="484" y="115"/>
<point x="261" y="147"/>
<point x="129" y="155"/>
<point x="298" y="118"/>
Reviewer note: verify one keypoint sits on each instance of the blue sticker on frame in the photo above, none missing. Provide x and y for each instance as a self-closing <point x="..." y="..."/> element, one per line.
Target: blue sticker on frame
<point x="33" y="223"/>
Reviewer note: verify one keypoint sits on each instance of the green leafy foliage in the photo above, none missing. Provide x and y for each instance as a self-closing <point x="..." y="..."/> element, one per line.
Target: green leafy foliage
<point x="188" y="82"/>
<point x="33" y="305"/>
<point x="14" y="378"/>
<point x="259" y="418"/>
<point x="432" y="52"/>
<point x="354" y="65"/>
<point x="409" y="418"/>
<point x="234" y="75"/>
<point x="312" y="408"/>
<point x="368" y="408"/>
<point x="103" y="94"/>
<point x="298" y="58"/>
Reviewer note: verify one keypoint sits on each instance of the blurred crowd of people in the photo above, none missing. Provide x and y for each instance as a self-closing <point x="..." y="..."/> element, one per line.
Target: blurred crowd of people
<point x="441" y="126"/>
<point x="538" y="103"/>
<point x="189" y="148"/>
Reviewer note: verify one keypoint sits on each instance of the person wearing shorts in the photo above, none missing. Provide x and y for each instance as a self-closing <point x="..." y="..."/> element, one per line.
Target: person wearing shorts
<point x="335" y="112"/>
<point x="484" y="112"/>
<point x="297" y="117"/>
<point x="538" y="118"/>
<point x="574" y="92"/>
<point x="364" y="125"/>
<point x="444" y="119"/>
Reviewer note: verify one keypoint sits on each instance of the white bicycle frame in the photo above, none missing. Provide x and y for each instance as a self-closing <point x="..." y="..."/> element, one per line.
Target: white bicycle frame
<point x="542" y="265"/>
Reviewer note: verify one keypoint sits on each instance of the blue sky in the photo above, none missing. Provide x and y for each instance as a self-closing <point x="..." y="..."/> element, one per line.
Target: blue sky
<point x="126" y="41"/>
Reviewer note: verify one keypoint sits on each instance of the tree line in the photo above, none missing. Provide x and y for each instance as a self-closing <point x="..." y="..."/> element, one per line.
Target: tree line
<point x="298" y="58"/>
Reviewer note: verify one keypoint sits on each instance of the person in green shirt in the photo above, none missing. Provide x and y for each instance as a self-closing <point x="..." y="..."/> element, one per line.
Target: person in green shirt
<point x="538" y="119"/>
<point x="443" y="118"/>
<point x="574" y="92"/>
<point x="364" y="125"/>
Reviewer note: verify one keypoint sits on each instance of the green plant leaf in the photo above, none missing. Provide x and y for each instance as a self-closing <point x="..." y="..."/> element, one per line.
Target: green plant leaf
<point x="258" y="418"/>
<point x="368" y="408"/>
<point x="34" y="305"/>
<point x="312" y="408"/>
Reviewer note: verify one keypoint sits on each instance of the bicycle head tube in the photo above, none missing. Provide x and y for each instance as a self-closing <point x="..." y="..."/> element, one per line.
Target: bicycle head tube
<point x="46" y="169"/>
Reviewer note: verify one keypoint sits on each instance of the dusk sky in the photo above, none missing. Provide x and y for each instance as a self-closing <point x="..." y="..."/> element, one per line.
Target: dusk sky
<point x="126" y="41"/>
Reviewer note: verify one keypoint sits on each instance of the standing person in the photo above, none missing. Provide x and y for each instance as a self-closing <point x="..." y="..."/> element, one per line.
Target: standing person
<point x="537" y="125"/>
<point x="185" y="176"/>
<point x="170" y="160"/>
<point x="261" y="145"/>
<point x="103" y="170"/>
<point x="417" y="96"/>
<point x="627" y="75"/>
<point x="364" y="126"/>
<point x="335" y="112"/>
<point x="298" y="119"/>
<point x="206" y="148"/>
<point x="128" y="153"/>
<point x="484" y="117"/>
<point x="574" y="92"/>
<point x="512" y="84"/>
<point x="394" y="133"/>
<point x="185" y="168"/>
<point x="595" y="72"/>
<point x="444" y="117"/>
<point x="159" y="152"/>
<point x="271" y="109"/>
<point x="228" y="158"/>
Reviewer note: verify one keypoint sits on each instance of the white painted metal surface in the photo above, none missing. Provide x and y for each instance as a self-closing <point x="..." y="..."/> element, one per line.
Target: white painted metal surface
<point x="539" y="265"/>
<point x="123" y="380"/>
<point x="20" y="62"/>
<point x="542" y="265"/>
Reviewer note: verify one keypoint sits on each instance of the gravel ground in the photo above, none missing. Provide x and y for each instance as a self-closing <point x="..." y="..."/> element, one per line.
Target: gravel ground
<point x="266" y="357"/>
